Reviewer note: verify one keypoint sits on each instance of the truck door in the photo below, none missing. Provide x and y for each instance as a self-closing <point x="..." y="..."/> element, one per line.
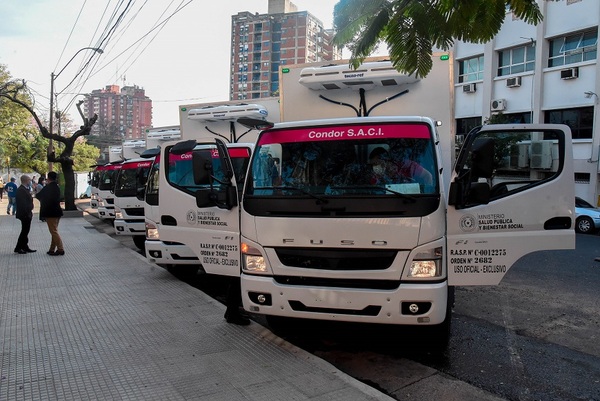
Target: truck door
<point x="193" y="208"/>
<point x="512" y="193"/>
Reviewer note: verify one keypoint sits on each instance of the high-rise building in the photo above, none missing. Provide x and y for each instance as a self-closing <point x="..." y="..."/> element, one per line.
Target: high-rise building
<point x="122" y="112"/>
<point x="260" y="43"/>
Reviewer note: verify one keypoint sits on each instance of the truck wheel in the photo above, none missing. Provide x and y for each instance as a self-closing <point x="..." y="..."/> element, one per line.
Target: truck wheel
<point x="140" y="242"/>
<point x="584" y="225"/>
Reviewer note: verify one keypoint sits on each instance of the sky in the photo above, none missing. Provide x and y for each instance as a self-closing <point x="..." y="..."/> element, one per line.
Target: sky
<point x="183" y="61"/>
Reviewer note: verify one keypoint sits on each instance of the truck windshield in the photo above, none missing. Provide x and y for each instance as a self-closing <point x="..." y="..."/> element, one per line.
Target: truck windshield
<point x="106" y="181"/>
<point x="131" y="177"/>
<point x="180" y="173"/>
<point x="388" y="160"/>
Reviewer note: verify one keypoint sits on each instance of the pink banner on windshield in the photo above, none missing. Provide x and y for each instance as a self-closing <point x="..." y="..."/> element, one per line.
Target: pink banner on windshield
<point x="233" y="153"/>
<point x="345" y="133"/>
<point x="129" y="166"/>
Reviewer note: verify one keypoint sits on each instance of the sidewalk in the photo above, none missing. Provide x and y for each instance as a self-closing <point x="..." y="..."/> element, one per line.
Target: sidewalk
<point x="102" y="323"/>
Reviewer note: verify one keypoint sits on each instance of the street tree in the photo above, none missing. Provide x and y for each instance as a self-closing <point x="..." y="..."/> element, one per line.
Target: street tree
<point x="16" y="91"/>
<point x="411" y="29"/>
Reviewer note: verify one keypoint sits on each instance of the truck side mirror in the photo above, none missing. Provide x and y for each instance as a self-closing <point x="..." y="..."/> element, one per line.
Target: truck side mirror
<point x="202" y="167"/>
<point x="224" y="199"/>
<point x="482" y="158"/>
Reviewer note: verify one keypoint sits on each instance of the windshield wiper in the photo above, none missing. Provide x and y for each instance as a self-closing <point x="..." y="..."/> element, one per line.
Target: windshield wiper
<point x="379" y="187"/>
<point x="304" y="191"/>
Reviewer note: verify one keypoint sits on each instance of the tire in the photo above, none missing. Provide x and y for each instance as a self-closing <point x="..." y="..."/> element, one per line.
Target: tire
<point x="584" y="225"/>
<point x="140" y="242"/>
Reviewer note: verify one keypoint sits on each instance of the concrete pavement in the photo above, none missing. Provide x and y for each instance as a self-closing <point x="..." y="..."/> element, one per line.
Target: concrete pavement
<point x="102" y="323"/>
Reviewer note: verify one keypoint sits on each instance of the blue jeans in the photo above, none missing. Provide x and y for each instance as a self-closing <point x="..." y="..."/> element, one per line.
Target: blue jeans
<point x="12" y="201"/>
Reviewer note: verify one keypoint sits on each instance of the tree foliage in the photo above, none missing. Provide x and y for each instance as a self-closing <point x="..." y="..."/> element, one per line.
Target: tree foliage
<point x="16" y="92"/>
<point x="411" y="29"/>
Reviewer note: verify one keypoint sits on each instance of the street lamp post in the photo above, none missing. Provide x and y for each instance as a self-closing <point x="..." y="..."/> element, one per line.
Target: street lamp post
<point x="53" y="76"/>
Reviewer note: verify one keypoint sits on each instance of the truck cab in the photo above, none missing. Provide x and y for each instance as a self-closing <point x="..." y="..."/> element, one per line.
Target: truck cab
<point x="105" y="197"/>
<point x="129" y="209"/>
<point x="172" y="220"/>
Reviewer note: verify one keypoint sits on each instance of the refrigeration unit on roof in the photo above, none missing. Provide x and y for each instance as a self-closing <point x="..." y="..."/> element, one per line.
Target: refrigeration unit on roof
<point x="228" y="112"/>
<point x="164" y="135"/>
<point x="367" y="76"/>
<point x="134" y="144"/>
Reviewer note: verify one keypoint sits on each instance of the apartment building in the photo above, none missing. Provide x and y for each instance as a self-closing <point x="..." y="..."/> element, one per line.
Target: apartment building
<point x="260" y="43"/>
<point x="123" y="112"/>
<point x="547" y="73"/>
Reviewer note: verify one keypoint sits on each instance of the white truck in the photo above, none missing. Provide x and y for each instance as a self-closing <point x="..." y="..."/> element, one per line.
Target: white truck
<point x="345" y="214"/>
<point x="171" y="223"/>
<point x="130" y="182"/>
<point x="115" y="154"/>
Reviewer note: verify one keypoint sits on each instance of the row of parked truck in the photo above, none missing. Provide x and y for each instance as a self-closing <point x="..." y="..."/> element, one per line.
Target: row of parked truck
<point x="341" y="199"/>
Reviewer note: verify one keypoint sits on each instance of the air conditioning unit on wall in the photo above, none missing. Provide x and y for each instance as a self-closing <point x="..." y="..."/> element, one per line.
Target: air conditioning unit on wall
<point x="514" y="82"/>
<point x="498" y="105"/>
<point x="541" y="155"/>
<point x="569" y="73"/>
<point x="469" y="88"/>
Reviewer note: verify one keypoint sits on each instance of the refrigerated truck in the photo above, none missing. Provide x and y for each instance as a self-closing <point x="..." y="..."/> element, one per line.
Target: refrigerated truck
<point x="131" y="180"/>
<point x="168" y="230"/>
<point x="331" y="237"/>
<point x="105" y="194"/>
<point x="129" y="209"/>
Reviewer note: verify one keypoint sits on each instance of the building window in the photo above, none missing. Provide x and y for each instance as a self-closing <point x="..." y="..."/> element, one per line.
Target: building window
<point x="470" y="69"/>
<point x="517" y="118"/>
<point x="514" y="61"/>
<point x="574" y="48"/>
<point x="580" y="120"/>
<point x="464" y="125"/>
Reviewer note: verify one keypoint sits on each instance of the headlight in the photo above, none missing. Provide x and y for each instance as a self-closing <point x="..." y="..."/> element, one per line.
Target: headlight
<point x="118" y="214"/>
<point x="252" y="260"/>
<point x="426" y="264"/>
<point x="152" y="232"/>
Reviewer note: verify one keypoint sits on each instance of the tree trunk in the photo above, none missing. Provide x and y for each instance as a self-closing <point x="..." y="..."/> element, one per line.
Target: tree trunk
<point x="69" y="177"/>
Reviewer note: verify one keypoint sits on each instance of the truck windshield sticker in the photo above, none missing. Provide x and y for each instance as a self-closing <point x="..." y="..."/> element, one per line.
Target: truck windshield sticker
<point x="345" y="132"/>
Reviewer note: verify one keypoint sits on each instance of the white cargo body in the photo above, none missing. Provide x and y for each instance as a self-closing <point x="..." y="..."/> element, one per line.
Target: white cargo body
<point x="115" y="153"/>
<point x="156" y="136"/>
<point x="133" y="148"/>
<point x="346" y="213"/>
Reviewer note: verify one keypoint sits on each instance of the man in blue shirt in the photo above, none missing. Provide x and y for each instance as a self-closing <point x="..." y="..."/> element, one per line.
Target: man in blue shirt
<point x="11" y="191"/>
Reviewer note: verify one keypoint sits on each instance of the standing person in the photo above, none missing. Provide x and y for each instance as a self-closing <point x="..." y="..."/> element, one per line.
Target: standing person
<point x="11" y="192"/>
<point x="38" y="188"/>
<point x="24" y="203"/>
<point x="1" y="188"/>
<point x="50" y="210"/>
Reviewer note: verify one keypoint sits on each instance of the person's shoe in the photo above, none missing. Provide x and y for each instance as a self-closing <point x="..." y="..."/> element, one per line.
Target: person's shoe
<point x="50" y="253"/>
<point x="21" y="251"/>
<point x="57" y="253"/>
<point x="30" y="250"/>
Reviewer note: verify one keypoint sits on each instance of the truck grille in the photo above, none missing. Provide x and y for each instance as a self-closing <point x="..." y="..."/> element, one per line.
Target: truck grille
<point x="134" y="211"/>
<point x="336" y="259"/>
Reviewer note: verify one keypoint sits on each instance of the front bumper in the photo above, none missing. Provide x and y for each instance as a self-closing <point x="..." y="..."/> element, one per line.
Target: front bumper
<point x="348" y="304"/>
<point x="170" y="254"/>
